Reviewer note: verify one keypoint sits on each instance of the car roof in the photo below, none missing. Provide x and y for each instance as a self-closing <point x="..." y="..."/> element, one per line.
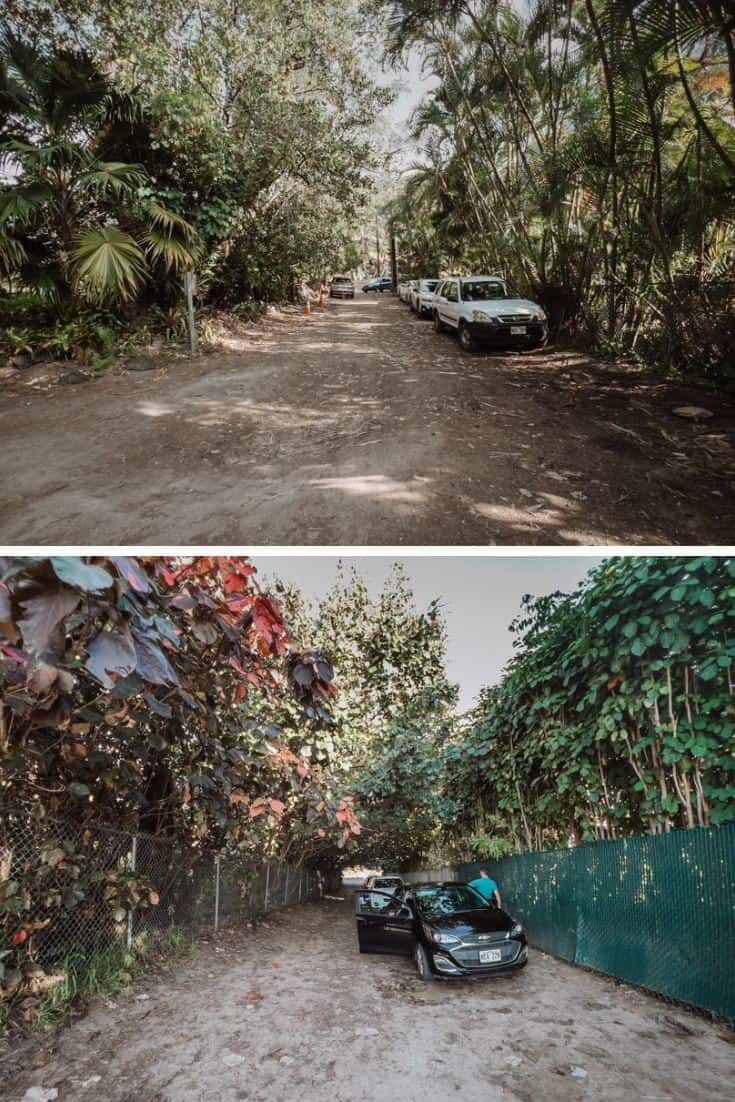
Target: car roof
<point x="483" y="278"/>
<point x="442" y="884"/>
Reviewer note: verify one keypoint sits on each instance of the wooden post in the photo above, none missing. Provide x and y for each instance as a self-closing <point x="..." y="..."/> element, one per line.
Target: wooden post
<point x="190" y="286"/>
<point x="132" y="860"/>
<point x="216" y="892"/>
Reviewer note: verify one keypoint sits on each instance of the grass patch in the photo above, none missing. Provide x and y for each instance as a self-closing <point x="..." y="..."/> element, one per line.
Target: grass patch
<point x="84" y="975"/>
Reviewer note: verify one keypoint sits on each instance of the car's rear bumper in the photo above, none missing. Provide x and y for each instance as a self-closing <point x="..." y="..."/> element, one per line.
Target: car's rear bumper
<point x="500" y="335"/>
<point x="341" y="294"/>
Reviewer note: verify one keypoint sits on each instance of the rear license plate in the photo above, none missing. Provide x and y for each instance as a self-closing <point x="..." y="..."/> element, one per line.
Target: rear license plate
<point x="518" y="330"/>
<point x="490" y="956"/>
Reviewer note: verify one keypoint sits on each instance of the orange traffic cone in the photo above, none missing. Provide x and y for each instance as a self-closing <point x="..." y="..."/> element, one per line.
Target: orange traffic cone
<point x="307" y="309"/>
<point x="321" y="298"/>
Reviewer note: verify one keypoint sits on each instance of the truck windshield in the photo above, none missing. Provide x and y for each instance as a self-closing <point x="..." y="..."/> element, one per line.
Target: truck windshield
<point x="480" y="290"/>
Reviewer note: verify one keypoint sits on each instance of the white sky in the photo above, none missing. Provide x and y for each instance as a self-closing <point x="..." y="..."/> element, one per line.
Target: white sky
<point x="479" y="596"/>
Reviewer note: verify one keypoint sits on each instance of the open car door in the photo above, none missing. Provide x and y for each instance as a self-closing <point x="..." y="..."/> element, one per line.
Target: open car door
<point x="384" y="923"/>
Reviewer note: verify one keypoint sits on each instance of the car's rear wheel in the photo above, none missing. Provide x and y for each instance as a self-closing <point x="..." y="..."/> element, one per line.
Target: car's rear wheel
<point x="438" y="323"/>
<point x="422" y="962"/>
<point x="466" y="340"/>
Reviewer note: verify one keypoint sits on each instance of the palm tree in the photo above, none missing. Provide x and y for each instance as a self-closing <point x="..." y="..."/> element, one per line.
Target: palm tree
<point x="73" y="225"/>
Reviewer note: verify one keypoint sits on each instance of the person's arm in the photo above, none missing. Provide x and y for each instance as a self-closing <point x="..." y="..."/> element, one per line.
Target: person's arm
<point x="496" y="895"/>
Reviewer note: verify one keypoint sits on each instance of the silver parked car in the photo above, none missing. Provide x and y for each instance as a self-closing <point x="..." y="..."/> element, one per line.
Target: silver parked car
<point x="405" y="288"/>
<point x="421" y="298"/>
<point x="342" y="286"/>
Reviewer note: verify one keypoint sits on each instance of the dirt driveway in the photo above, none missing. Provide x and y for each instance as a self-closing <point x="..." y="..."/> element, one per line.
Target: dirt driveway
<point x="357" y="426"/>
<point x="291" y="1012"/>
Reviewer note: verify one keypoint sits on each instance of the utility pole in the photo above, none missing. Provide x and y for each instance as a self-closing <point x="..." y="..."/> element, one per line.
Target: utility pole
<point x="378" y="270"/>
<point x="393" y="257"/>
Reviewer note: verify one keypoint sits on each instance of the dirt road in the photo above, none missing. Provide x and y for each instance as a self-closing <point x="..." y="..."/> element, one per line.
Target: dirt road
<point x="356" y="426"/>
<point x="292" y="1012"/>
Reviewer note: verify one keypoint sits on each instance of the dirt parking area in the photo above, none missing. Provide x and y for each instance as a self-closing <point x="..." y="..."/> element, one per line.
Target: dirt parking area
<point x="291" y="1011"/>
<point x="360" y="425"/>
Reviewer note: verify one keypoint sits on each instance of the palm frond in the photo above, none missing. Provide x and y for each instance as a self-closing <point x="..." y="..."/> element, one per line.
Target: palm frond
<point x="19" y="204"/>
<point x="175" y="253"/>
<point x="108" y="263"/>
<point x="170" y="238"/>
<point x="112" y="177"/>
<point x="46" y="155"/>
<point x="12" y="254"/>
<point x="169" y="222"/>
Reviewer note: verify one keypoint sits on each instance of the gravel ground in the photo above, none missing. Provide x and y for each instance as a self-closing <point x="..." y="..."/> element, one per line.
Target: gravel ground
<point x="358" y="426"/>
<point x="291" y="1011"/>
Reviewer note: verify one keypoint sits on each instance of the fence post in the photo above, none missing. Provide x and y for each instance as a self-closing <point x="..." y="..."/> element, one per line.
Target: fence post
<point x="301" y="877"/>
<point x="216" y="893"/>
<point x="132" y="861"/>
<point x="190" y="288"/>
<point x="267" y="883"/>
<point x="285" y="889"/>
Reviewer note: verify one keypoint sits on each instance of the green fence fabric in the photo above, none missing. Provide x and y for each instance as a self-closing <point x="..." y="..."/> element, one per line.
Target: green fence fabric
<point x="654" y="910"/>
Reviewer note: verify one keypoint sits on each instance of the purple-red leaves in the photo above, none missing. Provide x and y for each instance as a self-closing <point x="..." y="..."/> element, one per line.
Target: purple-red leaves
<point x="42" y="615"/>
<point x="111" y="655"/>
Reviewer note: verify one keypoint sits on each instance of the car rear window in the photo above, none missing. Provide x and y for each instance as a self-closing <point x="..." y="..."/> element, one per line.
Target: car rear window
<point x="342" y="279"/>
<point x="387" y="882"/>
<point x="430" y="284"/>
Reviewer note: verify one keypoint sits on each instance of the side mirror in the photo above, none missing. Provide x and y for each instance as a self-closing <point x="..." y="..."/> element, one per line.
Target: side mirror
<point x="405" y="911"/>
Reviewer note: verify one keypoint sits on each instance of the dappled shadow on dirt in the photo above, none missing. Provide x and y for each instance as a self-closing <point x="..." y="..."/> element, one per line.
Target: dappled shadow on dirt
<point x="360" y="425"/>
<point x="291" y="1011"/>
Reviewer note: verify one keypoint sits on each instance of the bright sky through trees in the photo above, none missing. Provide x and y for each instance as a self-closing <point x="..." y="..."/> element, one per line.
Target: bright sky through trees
<point x="480" y="597"/>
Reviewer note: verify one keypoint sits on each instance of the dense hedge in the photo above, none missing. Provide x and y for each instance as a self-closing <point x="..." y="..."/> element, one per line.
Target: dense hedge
<point x="616" y="716"/>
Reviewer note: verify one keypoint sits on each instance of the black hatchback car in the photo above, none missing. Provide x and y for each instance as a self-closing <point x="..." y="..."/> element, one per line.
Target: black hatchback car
<point x="448" y="928"/>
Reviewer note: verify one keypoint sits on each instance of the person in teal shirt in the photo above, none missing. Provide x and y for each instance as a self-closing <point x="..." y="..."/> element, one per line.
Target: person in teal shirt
<point x="486" y="887"/>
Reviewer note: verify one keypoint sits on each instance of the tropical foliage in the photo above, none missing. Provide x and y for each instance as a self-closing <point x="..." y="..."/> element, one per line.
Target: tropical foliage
<point x="586" y="150"/>
<point x="126" y="689"/>
<point x="616" y="716"/>
<point x="73" y="223"/>
<point x="393" y="709"/>
<point x="137" y="143"/>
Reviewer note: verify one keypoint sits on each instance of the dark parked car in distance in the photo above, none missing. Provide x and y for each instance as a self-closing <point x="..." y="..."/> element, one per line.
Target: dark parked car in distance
<point x="382" y="283"/>
<point x="448" y="928"/>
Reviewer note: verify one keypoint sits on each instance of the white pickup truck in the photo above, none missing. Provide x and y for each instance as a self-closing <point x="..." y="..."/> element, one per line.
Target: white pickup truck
<point x="479" y="309"/>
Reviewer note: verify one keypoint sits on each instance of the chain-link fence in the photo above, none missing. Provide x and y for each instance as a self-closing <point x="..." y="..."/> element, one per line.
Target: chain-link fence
<point x="67" y="889"/>
<point x="654" y="910"/>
